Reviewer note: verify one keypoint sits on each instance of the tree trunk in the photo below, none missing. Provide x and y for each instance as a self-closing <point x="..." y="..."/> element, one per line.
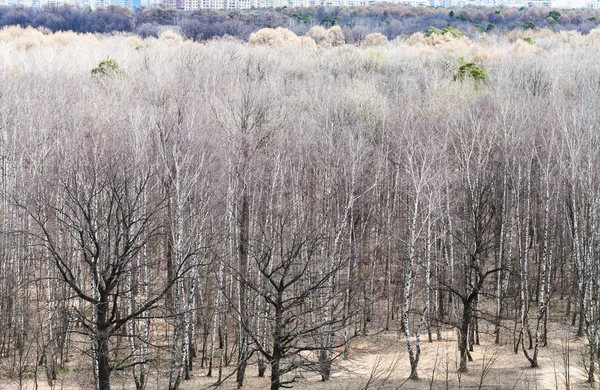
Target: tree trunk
<point x="275" y="379"/>
<point x="244" y="226"/>
<point x="464" y="334"/>
<point x="591" y="370"/>
<point x="414" y="375"/>
<point x="324" y="365"/>
<point x="102" y="350"/>
<point x="262" y="366"/>
<point x="104" y="368"/>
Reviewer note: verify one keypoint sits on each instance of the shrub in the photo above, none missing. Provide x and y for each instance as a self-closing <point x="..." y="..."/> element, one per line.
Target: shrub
<point x="272" y="37"/>
<point x="330" y="21"/>
<point x="323" y="37"/>
<point x="307" y="42"/>
<point x="469" y="70"/>
<point x="64" y="38"/>
<point x="554" y="14"/>
<point x="22" y="38"/>
<point x="302" y="17"/>
<point x="415" y="38"/>
<point x="564" y="19"/>
<point x="319" y="34"/>
<point x="529" y="40"/>
<point x="456" y="33"/>
<point x="108" y="68"/>
<point x="432" y="30"/>
<point x="170" y="37"/>
<point x="463" y="17"/>
<point x="336" y="36"/>
<point x="375" y="39"/>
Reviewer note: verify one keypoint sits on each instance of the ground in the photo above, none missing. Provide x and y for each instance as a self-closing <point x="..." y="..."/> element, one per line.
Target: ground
<point x="380" y="361"/>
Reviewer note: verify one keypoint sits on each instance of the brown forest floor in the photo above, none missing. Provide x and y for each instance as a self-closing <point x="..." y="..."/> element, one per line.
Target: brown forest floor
<point x="381" y="362"/>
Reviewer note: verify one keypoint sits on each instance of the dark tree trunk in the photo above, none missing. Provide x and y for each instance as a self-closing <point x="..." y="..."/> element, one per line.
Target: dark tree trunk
<point x="275" y="371"/>
<point x="581" y="317"/>
<point x="190" y="359"/>
<point x="244" y="226"/>
<point x="169" y="265"/>
<point x="104" y="368"/>
<point x="324" y="365"/>
<point x="464" y="334"/>
<point x="414" y="375"/>
<point x="102" y="350"/>
<point x="262" y="366"/>
<point x="471" y="334"/>
<point x="477" y="342"/>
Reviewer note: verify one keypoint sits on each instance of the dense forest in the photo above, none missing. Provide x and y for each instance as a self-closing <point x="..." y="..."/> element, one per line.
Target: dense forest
<point x="171" y="209"/>
<point x="390" y="20"/>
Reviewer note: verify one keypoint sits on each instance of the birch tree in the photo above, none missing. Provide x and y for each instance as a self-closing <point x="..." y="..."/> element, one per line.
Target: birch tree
<point x="420" y="168"/>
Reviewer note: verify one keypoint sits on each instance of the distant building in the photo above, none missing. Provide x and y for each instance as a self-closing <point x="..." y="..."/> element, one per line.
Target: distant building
<point x="593" y="4"/>
<point x="486" y="3"/>
<point x="417" y="3"/>
<point x="540" y="3"/>
<point x="190" y="5"/>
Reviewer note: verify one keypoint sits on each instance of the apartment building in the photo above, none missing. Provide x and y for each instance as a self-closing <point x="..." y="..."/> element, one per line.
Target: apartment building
<point x="539" y="3"/>
<point x="190" y="5"/>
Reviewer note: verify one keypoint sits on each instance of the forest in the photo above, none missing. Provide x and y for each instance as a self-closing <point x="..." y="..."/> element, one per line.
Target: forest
<point x="258" y="214"/>
<point x="388" y="19"/>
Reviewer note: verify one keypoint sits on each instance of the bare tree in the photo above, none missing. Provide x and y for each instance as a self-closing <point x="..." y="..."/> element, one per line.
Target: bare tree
<point x="249" y="119"/>
<point x="420" y="167"/>
<point x="102" y="206"/>
<point x="472" y="148"/>
<point x="286" y="253"/>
